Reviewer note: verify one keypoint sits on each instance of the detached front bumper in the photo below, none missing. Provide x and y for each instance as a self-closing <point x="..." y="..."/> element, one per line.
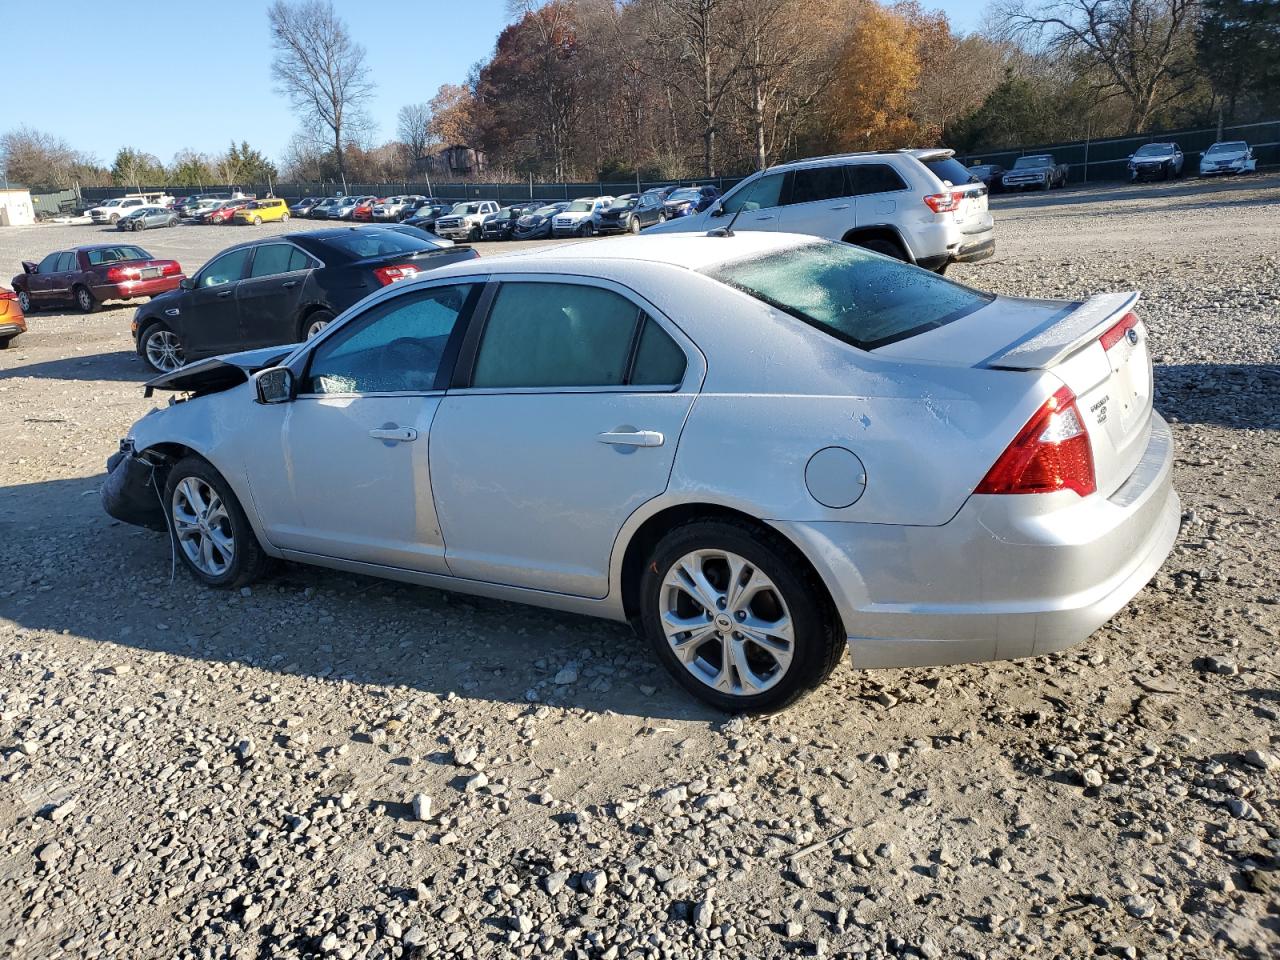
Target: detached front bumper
<point x="1007" y="577"/>
<point x="131" y="492"/>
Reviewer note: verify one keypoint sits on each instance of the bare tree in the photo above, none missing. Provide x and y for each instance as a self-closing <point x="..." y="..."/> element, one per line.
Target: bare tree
<point x="414" y="130"/>
<point x="1140" y="50"/>
<point x="320" y="68"/>
<point x="553" y="28"/>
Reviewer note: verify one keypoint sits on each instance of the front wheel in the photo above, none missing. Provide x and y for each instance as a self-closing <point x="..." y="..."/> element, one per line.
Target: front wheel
<point x="634" y="225"/>
<point x="313" y="323"/>
<point x="588" y="230"/>
<point x="257" y="221"/>
<point x="209" y="529"/>
<point x="115" y="218"/>
<point x="474" y="235"/>
<point x="737" y="617"/>
<point x="285" y="218"/>
<point x="24" y="302"/>
<point x="84" y="299"/>
<point x="161" y="348"/>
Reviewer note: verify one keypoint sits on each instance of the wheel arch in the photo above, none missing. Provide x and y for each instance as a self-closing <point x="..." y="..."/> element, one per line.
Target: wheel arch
<point x="649" y="531"/>
<point x="881" y="231"/>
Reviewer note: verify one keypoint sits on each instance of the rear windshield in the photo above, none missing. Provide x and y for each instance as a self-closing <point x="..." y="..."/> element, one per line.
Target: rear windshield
<point x="376" y="243"/>
<point x="118" y="254"/>
<point x="950" y="170"/>
<point x="854" y="295"/>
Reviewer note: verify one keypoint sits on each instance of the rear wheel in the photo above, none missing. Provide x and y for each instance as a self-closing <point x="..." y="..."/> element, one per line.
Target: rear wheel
<point x="313" y="323"/>
<point x="161" y="348"/>
<point x="84" y="299"/>
<point x="209" y="529"/>
<point x="737" y="618"/>
<point x="285" y="218"/>
<point x="115" y="218"/>
<point x="474" y="235"/>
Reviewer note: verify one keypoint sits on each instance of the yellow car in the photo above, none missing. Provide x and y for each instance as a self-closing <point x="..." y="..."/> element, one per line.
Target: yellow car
<point x="262" y="211"/>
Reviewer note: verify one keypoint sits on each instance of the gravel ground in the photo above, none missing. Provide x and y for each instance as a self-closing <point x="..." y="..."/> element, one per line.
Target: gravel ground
<point x="334" y="766"/>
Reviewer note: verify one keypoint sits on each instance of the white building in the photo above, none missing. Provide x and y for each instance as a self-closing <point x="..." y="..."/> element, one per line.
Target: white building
<point x="16" y="208"/>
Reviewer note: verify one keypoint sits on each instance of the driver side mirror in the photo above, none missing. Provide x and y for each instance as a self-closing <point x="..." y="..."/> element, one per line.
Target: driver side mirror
<point x="186" y="283"/>
<point x="716" y="211"/>
<point x="29" y="267"/>
<point x="274" y="385"/>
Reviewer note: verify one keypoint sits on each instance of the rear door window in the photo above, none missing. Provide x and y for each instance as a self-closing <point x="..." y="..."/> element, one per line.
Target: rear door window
<point x="818" y="183"/>
<point x="852" y="294"/>
<point x="273" y="258"/>
<point x="870" y="178"/>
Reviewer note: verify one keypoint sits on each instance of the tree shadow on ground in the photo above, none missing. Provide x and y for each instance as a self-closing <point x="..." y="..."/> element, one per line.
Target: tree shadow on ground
<point x="119" y="365"/>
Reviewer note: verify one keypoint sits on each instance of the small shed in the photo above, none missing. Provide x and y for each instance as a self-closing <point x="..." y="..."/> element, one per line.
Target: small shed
<point x="16" y="208"/>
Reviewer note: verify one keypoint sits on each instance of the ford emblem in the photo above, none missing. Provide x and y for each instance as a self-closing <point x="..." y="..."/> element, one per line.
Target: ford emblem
<point x="1132" y="334"/>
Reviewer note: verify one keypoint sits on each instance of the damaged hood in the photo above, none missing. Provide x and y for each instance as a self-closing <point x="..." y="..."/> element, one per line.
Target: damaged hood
<point x="219" y="373"/>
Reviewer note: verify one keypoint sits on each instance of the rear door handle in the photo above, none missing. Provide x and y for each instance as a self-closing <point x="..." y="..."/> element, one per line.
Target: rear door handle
<point x="289" y="284"/>
<point x="767" y="216"/>
<point x="632" y="438"/>
<point x="842" y="206"/>
<point x="394" y="434"/>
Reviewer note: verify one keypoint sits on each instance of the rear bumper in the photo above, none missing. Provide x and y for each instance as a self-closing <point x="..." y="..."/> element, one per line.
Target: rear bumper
<point x="131" y="289"/>
<point x="1007" y="577"/>
<point x="9" y="330"/>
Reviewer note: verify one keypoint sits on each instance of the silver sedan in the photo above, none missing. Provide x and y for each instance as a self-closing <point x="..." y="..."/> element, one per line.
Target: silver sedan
<point x="762" y="450"/>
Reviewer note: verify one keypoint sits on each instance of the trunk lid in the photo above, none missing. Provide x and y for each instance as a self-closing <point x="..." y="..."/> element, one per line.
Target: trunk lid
<point x="1098" y="348"/>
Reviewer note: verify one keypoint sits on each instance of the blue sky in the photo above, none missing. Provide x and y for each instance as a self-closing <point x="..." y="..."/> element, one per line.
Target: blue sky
<point x="168" y="75"/>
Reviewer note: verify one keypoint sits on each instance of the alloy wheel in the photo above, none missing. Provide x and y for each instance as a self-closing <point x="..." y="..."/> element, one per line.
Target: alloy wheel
<point x="202" y="526"/>
<point x="84" y="299"/>
<point x="316" y="327"/>
<point x="24" y="301"/>
<point x="726" y="622"/>
<point x="164" y="350"/>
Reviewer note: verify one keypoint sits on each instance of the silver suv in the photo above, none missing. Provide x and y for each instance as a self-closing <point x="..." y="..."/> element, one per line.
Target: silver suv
<point x="921" y="206"/>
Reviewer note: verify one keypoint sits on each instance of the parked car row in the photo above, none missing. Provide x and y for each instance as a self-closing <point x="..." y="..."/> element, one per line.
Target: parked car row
<point x="1152" y="161"/>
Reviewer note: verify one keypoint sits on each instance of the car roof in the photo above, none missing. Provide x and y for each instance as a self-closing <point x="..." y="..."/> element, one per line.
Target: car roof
<point x="690" y="251"/>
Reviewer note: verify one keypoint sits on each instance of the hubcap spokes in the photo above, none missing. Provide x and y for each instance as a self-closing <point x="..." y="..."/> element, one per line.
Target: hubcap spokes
<point x="164" y="350"/>
<point x="316" y="328"/>
<point x="203" y="526"/>
<point x="726" y="622"/>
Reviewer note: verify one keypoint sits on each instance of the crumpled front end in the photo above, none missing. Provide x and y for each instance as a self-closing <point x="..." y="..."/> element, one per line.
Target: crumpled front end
<point x="132" y="491"/>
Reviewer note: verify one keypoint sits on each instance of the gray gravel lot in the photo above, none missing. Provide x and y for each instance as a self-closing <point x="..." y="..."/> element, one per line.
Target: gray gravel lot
<point x="333" y="766"/>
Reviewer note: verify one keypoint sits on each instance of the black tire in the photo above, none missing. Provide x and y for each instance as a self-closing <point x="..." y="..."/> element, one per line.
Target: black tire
<point x="588" y="230"/>
<point x="879" y="245"/>
<point x="4" y="344"/>
<point x="24" y="302"/>
<point x="150" y="327"/>
<point x="941" y="269"/>
<point x="248" y="561"/>
<point x="316" y="316"/>
<point x="84" y="299"/>
<point x="819" y="641"/>
<point x="633" y="225"/>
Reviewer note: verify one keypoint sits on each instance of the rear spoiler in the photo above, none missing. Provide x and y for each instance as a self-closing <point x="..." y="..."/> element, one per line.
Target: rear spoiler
<point x="1064" y="334"/>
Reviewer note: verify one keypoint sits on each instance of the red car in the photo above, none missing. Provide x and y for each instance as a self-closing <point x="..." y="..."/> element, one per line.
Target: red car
<point x="364" y="211"/>
<point x="12" y="322"/>
<point x="86" y="276"/>
<point x="224" y="213"/>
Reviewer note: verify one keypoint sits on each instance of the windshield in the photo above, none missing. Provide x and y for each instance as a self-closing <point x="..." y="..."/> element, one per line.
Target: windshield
<point x="1233" y="146"/>
<point x="854" y="295"/>
<point x="465" y="208"/>
<point x="1155" y="150"/>
<point x="1024" y="162"/>
<point x="580" y="206"/>
<point x="377" y="242"/>
<point x="112" y="203"/>
<point x="686" y="193"/>
<point x="547" y="211"/>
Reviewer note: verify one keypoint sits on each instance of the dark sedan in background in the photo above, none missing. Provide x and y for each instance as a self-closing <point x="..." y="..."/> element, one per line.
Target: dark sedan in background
<point x="279" y="290"/>
<point x="631" y="213"/>
<point x="689" y="200"/>
<point x="303" y="207"/>
<point x="989" y="174"/>
<point x="536" y="225"/>
<point x="500" y="225"/>
<point x="427" y="215"/>
<point x="86" y="276"/>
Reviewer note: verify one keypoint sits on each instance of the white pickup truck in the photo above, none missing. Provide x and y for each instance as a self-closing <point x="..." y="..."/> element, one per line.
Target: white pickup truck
<point x="464" y="220"/>
<point x="112" y="210"/>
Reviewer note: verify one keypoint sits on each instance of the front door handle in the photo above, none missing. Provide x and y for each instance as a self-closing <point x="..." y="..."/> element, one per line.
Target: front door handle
<point x="765" y="216"/>
<point x="842" y="206"/>
<point x="224" y="294"/>
<point x="393" y="434"/>
<point x="289" y="284"/>
<point x="625" y="437"/>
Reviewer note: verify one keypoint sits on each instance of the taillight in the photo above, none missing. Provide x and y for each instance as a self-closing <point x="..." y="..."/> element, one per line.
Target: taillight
<point x="1050" y="453"/>
<point x="1117" y="333"/>
<point x="399" y="271"/>
<point x="121" y="274"/>
<point x="169" y="268"/>
<point x="944" y="202"/>
<point x="8" y="295"/>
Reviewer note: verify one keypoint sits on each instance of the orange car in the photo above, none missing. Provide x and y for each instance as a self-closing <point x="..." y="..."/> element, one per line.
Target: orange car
<point x="12" y="321"/>
<point x="364" y="211"/>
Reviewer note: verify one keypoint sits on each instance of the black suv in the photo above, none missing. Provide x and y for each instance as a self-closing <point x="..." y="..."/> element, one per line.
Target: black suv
<point x="279" y="290"/>
<point x="498" y="226"/>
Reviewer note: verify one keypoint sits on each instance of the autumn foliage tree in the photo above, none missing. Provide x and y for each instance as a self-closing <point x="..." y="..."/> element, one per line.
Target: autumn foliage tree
<point x="878" y="68"/>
